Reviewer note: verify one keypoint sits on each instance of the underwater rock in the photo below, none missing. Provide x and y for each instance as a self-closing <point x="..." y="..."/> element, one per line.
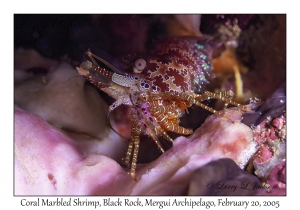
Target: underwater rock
<point x="63" y="99"/>
<point x="273" y="107"/>
<point x="222" y="177"/>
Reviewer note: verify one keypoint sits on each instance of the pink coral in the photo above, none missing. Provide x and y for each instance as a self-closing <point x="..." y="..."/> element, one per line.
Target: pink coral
<point x="270" y="160"/>
<point x="47" y="162"/>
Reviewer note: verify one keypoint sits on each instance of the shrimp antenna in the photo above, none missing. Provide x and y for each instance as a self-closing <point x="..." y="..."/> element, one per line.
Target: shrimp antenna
<point x="73" y="77"/>
<point x="109" y="65"/>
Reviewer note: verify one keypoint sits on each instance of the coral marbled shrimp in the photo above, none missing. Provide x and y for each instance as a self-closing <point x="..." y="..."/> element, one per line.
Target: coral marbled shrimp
<point x="161" y="88"/>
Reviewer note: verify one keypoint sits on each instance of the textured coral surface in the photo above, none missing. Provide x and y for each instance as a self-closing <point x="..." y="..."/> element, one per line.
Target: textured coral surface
<point x="44" y="156"/>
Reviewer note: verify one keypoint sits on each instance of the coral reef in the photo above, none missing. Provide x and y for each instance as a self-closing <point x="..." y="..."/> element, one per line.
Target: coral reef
<point x="63" y="141"/>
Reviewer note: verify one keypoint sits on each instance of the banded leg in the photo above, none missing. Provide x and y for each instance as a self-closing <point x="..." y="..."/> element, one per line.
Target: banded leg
<point x="157" y="142"/>
<point x="191" y="99"/>
<point x="152" y="126"/>
<point x="223" y="95"/>
<point x="169" y="121"/>
<point x="159" y="131"/>
<point x="131" y="143"/>
<point x="128" y="154"/>
<point x="227" y="97"/>
<point x="228" y="94"/>
<point x="174" y="127"/>
<point x="164" y="134"/>
<point x="135" y="139"/>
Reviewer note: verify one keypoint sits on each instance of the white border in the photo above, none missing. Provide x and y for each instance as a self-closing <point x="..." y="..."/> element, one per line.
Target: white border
<point x="154" y="6"/>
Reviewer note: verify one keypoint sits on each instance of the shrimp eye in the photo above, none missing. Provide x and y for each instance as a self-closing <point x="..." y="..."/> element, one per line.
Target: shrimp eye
<point x="139" y="65"/>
